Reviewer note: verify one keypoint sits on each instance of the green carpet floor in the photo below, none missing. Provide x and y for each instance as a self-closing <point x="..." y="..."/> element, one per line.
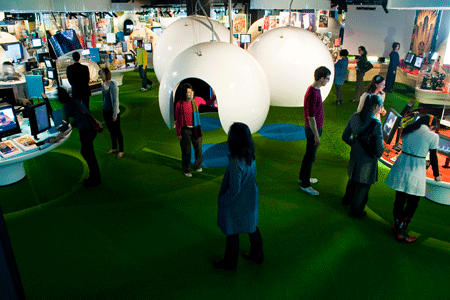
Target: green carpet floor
<point x="148" y="232"/>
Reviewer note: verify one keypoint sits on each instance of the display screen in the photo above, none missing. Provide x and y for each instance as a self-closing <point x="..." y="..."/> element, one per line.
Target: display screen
<point x="418" y="62"/>
<point x="409" y="58"/>
<point x="434" y="56"/>
<point x="157" y="30"/>
<point x="444" y="145"/>
<point x="85" y="52"/>
<point x="9" y="125"/>
<point x="51" y="73"/>
<point x="111" y="38"/>
<point x="14" y="51"/>
<point x="65" y="41"/>
<point x="128" y="57"/>
<point x="95" y="54"/>
<point x="42" y="55"/>
<point x="135" y="43"/>
<point x="39" y="118"/>
<point x="48" y="62"/>
<point x="148" y="47"/>
<point x="89" y="44"/>
<point x="246" y="38"/>
<point x="390" y="125"/>
<point x="37" y="43"/>
<point x="7" y="96"/>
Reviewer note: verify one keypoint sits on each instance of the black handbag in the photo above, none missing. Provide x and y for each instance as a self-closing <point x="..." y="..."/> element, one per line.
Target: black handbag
<point x="367" y="141"/>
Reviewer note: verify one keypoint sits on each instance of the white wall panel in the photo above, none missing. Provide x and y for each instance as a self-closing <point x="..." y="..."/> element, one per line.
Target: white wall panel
<point x="284" y="4"/>
<point x="81" y="5"/>
<point x="26" y="5"/>
<point x="419" y="4"/>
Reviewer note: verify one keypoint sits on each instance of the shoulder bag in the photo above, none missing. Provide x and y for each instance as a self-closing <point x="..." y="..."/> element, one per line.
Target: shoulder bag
<point x="367" y="141"/>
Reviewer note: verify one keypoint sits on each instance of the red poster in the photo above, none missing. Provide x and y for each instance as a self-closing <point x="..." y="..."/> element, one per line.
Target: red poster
<point x="93" y="41"/>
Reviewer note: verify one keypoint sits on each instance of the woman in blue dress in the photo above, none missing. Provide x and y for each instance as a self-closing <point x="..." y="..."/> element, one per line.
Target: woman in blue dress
<point x="394" y="61"/>
<point x="238" y="199"/>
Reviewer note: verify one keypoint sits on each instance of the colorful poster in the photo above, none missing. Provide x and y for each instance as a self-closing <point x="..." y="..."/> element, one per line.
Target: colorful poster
<point x="266" y="23"/>
<point x="272" y="22"/>
<point x="323" y="19"/>
<point x="240" y="23"/>
<point x="284" y="18"/>
<point x="424" y="34"/>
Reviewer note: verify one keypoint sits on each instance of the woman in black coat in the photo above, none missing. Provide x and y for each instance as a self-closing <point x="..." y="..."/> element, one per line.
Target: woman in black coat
<point x="361" y="69"/>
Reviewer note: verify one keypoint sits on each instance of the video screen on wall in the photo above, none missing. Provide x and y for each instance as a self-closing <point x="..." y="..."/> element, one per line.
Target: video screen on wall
<point x="65" y="41"/>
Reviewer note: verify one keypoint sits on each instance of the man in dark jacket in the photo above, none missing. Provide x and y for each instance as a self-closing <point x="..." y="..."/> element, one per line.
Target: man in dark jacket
<point x="78" y="76"/>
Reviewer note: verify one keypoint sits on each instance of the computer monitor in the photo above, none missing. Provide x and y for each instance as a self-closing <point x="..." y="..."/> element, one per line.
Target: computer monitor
<point x="37" y="43"/>
<point x="444" y="145"/>
<point x="135" y="43"/>
<point x="435" y="56"/>
<point x="418" y="62"/>
<point x="48" y="62"/>
<point x="393" y="120"/>
<point x="51" y="73"/>
<point x="95" y="54"/>
<point x="9" y="125"/>
<point x="7" y="96"/>
<point x="157" y="30"/>
<point x="85" y="52"/>
<point x="39" y="116"/>
<point x="30" y="65"/>
<point x="246" y="38"/>
<point x="407" y="108"/>
<point x="409" y="58"/>
<point x="148" y="47"/>
<point x="129" y="58"/>
<point x="14" y="51"/>
<point x="42" y="55"/>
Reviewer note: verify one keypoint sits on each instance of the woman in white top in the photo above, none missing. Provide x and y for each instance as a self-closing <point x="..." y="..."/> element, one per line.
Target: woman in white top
<point x="376" y="87"/>
<point x="408" y="174"/>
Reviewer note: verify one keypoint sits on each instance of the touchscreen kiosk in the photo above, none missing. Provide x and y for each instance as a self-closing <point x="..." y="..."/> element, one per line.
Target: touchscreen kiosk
<point x="407" y="108"/>
<point x="246" y="38"/>
<point x="418" y="62"/>
<point x="9" y="125"/>
<point x="51" y="73"/>
<point x="37" y="43"/>
<point x="444" y="149"/>
<point x="148" y="47"/>
<point x="14" y="51"/>
<point x="409" y="58"/>
<point x="393" y="120"/>
<point x="39" y="118"/>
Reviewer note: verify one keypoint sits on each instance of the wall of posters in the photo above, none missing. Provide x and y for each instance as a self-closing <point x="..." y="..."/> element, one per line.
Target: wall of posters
<point x="425" y="30"/>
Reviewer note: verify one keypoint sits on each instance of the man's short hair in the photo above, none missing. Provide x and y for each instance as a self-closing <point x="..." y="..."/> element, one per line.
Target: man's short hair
<point x="321" y="72"/>
<point x="343" y="53"/>
<point x="76" y="56"/>
<point x="139" y="42"/>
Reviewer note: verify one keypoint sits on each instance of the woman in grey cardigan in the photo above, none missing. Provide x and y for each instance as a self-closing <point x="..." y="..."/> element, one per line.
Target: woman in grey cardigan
<point x="238" y="199"/>
<point x="362" y="167"/>
<point x="111" y="112"/>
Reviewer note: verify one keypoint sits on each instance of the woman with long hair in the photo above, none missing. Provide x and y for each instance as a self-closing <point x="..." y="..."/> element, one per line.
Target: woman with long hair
<point x="238" y="199"/>
<point x="361" y="64"/>
<point x="394" y="61"/>
<point x="375" y="87"/>
<point x="408" y="174"/>
<point x="362" y="167"/>
<point x="111" y="112"/>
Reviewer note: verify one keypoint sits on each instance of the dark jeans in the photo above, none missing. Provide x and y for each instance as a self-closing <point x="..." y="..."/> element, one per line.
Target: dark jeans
<point x="411" y="201"/>
<point x="232" y="248"/>
<point x="145" y="80"/>
<point x="186" y="139"/>
<point x="338" y="92"/>
<point x="87" y="151"/>
<point x="356" y="194"/>
<point x="114" y="129"/>
<point x="308" y="159"/>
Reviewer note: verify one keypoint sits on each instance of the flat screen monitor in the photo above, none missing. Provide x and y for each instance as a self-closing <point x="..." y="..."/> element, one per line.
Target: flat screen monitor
<point x="407" y="108"/>
<point x="51" y="73"/>
<point x="435" y="56"/>
<point x="418" y="62"/>
<point x="157" y="30"/>
<point x="39" y="118"/>
<point x="135" y="43"/>
<point x="30" y="65"/>
<point x="42" y="55"/>
<point x="14" y="51"/>
<point x="65" y="41"/>
<point x="444" y="145"/>
<point x="7" y="96"/>
<point x="85" y="52"/>
<point x="9" y="125"/>
<point x="37" y="43"/>
<point x="129" y="58"/>
<point x="393" y="120"/>
<point x="95" y="54"/>
<point x="48" y="62"/>
<point x="246" y="38"/>
<point x="148" y="47"/>
<point x="409" y="58"/>
<point x="111" y="38"/>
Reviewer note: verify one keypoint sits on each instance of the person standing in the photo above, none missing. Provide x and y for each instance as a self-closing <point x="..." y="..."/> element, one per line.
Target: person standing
<point x="361" y="69"/>
<point x="187" y="124"/>
<point x="340" y="74"/>
<point x="141" y="61"/>
<point x="362" y="167"/>
<point x="375" y="87"/>
<point x="111" y="112"/>
<point x="408" y="174"/>
<point x="78" y="76"/>
<point x="313" y="114"/>
<point x="394" y="61"/>
<point x="73" y="108"/>
<point x="238" y="203"/>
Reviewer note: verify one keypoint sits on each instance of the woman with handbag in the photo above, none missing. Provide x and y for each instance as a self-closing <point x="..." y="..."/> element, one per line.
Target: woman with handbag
<point x="111" y="112"/>
<point x="363" y="134"/>
<point x="375" y="87"/>
<point x="238" y="202"/>
<point x="74" y="109"/>
<point x="408" y="174"/>
<point x="362" y="66"/>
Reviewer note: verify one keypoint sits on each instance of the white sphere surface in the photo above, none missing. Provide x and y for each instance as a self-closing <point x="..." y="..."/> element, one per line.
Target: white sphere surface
<point x="183" y="34"/>
<point x="289" y="56"/>
<point x="239" y="82"/>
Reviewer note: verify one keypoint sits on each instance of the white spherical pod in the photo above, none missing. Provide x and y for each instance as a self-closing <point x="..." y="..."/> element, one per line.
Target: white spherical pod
<point x="239" y="82"/>
<point x="289" y="56"/>
<point x="183" y="34"/>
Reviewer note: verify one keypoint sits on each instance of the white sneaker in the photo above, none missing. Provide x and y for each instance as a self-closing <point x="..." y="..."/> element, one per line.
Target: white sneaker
<point x="188" y="174"/>
<point x="311" y="180"/>
<point x="143" y="89"/>
<point x="199" y="170"/>
<point x="310" y="191"/>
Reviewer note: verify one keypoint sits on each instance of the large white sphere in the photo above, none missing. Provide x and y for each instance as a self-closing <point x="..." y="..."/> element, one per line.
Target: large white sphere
<point x="183" y="34"/>
<point x="240" y="84"/>
<point x="289" y="56"/>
